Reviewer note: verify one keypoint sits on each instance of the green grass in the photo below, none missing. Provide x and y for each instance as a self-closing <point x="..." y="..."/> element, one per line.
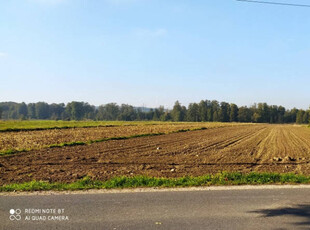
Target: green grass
<point x="13" y="151"/>
<point x="27" y="125"/>
<point x="10" y="151"/>
<point x="144" y="182"/>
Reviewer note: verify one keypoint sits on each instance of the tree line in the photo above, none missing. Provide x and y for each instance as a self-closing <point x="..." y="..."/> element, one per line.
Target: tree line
<point x="205" y="110"/>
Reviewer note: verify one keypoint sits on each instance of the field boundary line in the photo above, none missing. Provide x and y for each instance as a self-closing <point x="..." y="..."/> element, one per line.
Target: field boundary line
<point x="157" y="189"/>
<point x="63" y="127"/>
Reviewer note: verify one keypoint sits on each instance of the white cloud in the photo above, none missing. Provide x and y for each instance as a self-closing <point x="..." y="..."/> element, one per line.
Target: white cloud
<point x="2" y="54"/>
<point x="151" y="33"/>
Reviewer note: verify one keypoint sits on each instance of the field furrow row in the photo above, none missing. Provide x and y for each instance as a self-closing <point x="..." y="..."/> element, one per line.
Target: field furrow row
<point x="247" y="148"/>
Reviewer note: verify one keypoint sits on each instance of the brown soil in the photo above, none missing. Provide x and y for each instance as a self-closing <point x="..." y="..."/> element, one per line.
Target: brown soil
<point x="262" y="148"/>
<point x="38" y="139"/>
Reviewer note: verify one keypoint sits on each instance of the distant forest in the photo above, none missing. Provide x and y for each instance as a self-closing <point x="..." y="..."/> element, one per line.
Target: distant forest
<point x="206" y="110"/>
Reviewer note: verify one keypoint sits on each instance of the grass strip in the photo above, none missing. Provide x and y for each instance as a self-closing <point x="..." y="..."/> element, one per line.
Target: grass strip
<point x="224" y="178"/>
<point x="56" y="127"/>
<point x="38" y="125"/>
<point x="34" y="125"/>
<point x="13" y="151"/>
<point x="73" y="127"/>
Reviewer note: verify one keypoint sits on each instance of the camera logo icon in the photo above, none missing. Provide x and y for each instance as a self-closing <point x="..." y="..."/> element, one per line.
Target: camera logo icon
<point x="15" y="214"/>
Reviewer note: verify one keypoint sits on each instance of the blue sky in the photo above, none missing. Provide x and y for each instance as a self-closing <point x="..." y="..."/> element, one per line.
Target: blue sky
<point x="154" y="52"/>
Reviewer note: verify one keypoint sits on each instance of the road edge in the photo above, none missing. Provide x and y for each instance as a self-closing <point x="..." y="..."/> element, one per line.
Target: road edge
<point x="154" y="189"/>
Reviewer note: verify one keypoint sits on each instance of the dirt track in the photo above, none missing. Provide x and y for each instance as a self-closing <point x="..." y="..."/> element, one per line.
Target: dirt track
<point x="272" y="148"/>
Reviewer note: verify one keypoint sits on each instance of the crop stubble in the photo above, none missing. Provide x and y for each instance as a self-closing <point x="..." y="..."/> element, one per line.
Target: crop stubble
<point x="38" y="139"/>
<point x="261" y="148"/>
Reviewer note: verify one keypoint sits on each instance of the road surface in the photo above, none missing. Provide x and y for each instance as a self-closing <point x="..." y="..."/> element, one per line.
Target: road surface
<point x="256" y="208"/>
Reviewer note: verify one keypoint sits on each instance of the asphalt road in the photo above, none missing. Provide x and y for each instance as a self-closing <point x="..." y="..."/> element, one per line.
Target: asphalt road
<point x="280" y="208"/>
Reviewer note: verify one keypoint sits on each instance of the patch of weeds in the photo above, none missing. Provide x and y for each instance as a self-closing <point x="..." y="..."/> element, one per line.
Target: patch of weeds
<point x="224" y="178"/>
<point x="12" y="151"/>
<point x="67" y="144"/>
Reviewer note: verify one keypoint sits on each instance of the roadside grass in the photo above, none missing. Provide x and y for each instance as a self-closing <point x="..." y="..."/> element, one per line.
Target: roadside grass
<point x="224" y="178"/>
<point x="13" y="151"/>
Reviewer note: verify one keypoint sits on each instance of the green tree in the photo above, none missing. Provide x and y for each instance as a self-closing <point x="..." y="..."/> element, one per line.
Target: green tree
<point x="273" y="113"/>
<point x="293" y="114"/>
<point x="42" y="110"/>
<point x="244" y="114"/>
<point x="22" y="111"/>
<point x="156" y="115"/>
<point x="150" y="114"/>
<point x="213" y="111"/>
<point x="108" y="112"/>
<point x="281" y="114"/>
<point x="166" y="116"/>
<point x="305" y="118"/>
<point x="56" y="111"/>
<point x="193" y="112"/>
<point x="203" y="110"/>
<point x="256" y="117"/>
<point x="89" y="111"/>
<point x="233" y="113"/>
<point x="31" y="111"/>
<point x="224" y="112"/>
<point x="80" y="110"/>
<point x="262" y="113"/>
<point x="141" y="116"/>
<point x="300" y="116"/>
<point x="75" y="110"/>
<point x="178" y="112"/>
<point x="127" y="113"/>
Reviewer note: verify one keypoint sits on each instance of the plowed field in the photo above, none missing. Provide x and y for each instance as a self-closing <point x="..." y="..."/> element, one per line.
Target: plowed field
<point x="263" y="148"/>
<point x="37" y="139"/>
